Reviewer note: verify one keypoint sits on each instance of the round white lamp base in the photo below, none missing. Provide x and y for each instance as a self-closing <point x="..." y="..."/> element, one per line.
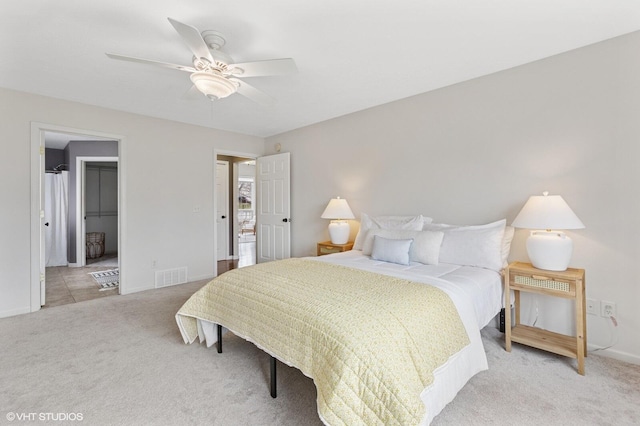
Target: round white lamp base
<point x="339" y="232"/>
<point x="549" y="250"/>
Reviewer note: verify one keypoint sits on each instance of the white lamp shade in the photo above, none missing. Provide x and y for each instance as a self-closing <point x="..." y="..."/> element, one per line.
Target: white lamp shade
<point x="338" y="209"/>
<point x="547" y="212"/>
<point x="547" y="249"/>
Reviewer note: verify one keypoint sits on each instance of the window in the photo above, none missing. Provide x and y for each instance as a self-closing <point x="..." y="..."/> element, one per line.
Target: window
<point x="245" y="193"/>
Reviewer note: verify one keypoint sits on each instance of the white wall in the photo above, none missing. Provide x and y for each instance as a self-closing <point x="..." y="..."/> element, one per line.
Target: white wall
<point x="469" y="153"/>
<point x="474" y="152"/>
<point x="167" y="169"/>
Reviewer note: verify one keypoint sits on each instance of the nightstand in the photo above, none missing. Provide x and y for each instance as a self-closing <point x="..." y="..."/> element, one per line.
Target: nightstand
<point x="569" y="284"/>
<point x="327" y="247"/>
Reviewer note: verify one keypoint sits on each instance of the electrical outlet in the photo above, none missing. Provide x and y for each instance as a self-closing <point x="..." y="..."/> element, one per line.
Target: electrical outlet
<point x="593" y="307"/>
<point x="607" y="309"/>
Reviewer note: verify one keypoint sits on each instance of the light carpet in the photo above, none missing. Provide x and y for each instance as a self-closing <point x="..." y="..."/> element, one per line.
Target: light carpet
<point x="138" y="371"/>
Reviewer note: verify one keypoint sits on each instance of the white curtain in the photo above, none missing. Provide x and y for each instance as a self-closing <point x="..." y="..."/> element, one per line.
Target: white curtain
<point x="56" y="207"/>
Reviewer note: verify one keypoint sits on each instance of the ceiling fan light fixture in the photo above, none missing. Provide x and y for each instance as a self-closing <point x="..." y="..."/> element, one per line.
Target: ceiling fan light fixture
<point x="212" y="85"/>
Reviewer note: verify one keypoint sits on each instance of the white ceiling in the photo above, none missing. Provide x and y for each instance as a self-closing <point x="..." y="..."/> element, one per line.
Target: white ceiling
<point x="351" y="54"/>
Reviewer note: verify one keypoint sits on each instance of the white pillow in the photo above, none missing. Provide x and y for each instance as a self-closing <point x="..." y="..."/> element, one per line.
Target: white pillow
<point x="367" y="222"/>
<point x="425" y="248"/>
<point x="476" y="245"/>
<point x="509" y="231"/>
<point x="389" y="250"/>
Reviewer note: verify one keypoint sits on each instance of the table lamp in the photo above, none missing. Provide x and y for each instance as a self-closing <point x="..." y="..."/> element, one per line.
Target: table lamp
<point x="338" y="210"/>
<point x="545" y="214"/>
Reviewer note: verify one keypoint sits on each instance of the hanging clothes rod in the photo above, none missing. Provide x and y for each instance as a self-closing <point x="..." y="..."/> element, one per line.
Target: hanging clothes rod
<point x="57" y="169"/>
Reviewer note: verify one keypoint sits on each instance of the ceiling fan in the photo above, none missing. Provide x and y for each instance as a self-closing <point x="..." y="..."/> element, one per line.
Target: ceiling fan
<point x="214" y="73"/>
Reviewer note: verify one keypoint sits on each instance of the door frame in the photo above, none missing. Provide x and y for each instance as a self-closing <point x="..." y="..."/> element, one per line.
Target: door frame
<point x="81" y="237"/>
<point x="234" y="213"/>
<point x="225" y="165"/>
<point x="37" y="244"/>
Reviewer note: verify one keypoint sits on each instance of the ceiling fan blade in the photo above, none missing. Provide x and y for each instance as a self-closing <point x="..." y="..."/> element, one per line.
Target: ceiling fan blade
<point x="268" y="67"/>
<point x="193" y="39"/>
<point x="150" y="62"/>
<point x="254" y="94"/>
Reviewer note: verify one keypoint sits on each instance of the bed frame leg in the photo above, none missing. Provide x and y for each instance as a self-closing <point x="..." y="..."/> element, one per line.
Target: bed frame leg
<point x="502" y="320"/>
<point x="273" y="378"/>
<point x="219" y="339"/>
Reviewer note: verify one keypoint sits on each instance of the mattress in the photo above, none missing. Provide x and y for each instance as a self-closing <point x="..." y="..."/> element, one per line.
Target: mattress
<point x="482" y="286"/>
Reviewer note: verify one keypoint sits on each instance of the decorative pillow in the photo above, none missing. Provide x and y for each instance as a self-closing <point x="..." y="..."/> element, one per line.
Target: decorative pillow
<point x="367" y="222"/>
<point x="477" y="245"/>
<point x="393" y="251"/>
<point x="425" y="248"/>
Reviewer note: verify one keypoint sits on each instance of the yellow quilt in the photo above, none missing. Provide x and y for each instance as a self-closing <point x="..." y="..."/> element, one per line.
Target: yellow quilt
<point x="370" y="342"/>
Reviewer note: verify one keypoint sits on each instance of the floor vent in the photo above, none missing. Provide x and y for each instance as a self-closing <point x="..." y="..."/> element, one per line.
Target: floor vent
<point x="170" y="277"/>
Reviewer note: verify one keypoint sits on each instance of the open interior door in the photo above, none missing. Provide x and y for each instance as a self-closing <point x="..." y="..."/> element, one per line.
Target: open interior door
<point x="273" y="210"/>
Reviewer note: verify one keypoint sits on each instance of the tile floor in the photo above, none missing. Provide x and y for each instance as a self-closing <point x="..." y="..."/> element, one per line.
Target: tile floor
<point x="66" y="285"/>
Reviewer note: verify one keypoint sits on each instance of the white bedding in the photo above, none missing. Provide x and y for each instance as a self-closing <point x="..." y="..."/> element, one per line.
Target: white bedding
<point x="482" y="286"/>
<point x="477" y="294"/>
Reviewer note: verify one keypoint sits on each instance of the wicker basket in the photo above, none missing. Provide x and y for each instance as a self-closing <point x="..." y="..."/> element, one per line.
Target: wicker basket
<point x="95" y="245"/>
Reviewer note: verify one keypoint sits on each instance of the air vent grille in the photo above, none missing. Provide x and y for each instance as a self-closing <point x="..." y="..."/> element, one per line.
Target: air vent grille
<point x="169" y="277"/>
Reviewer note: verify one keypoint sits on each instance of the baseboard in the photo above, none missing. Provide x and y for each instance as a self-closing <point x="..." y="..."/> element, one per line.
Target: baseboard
<point x="134" y="290"/>
<point x="191" y="280"/>
<point x="200" y="278"/>
<point x="615" y="354"/>
<point x="14" y="312"/>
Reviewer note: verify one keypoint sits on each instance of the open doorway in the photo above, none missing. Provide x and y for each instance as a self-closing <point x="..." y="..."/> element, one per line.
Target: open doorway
<point x="246" y="216"/>
<point x="100" y="192"/>
<point x="81" y="226"/>
<point x="239" y="232"/>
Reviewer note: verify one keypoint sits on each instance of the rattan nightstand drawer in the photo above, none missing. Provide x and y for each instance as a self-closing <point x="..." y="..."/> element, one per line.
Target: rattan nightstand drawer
<point x="328" y="248"/>
<point x="545" y="283"/>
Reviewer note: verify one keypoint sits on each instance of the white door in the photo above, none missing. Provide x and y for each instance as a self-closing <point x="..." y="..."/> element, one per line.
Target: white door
<point x="222" y="209"/>
<point x="273" y="210"/>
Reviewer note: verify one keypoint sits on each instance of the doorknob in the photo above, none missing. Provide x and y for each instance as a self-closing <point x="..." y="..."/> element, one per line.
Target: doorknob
<point x="224" y="217"/>
<point x="286" y="220"/>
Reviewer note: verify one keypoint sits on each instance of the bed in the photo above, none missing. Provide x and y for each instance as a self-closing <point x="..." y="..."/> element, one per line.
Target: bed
<point x="368" y="358"/>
